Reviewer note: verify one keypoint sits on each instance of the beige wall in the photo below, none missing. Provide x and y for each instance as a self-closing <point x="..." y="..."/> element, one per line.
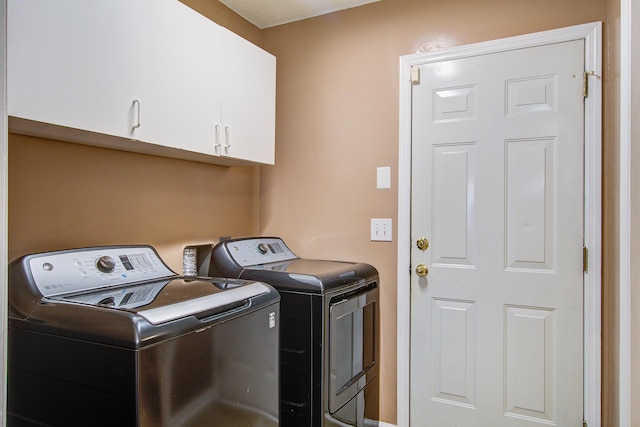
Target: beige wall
<point x="337" y="120"/>
<point x="227" y="18"/>
<point x="610" y="209"/>
<point x="64" y="195"/>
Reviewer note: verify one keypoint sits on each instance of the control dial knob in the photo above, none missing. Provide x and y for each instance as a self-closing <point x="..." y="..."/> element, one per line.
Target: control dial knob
<point x="106" y="264"/>
<point x="263" y="248"/>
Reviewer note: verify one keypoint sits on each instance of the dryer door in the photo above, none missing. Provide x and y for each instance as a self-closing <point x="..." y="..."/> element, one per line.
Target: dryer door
<point x="352" y="343"/>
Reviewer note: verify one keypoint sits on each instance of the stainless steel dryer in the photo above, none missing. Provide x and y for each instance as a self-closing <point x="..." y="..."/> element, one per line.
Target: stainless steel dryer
<point x="329" y="330"/>
<point x="110" y="336"/>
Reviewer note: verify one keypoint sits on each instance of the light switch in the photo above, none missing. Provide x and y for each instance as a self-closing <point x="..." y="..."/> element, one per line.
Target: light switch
<point x="384" y="178"/>
<point x="381" y="229"/>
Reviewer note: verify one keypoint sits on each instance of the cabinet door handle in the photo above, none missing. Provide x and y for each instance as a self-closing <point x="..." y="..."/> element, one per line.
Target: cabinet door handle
<point x="217" y="129"/>
<point x="136" y="103"/>
<point x="227" y="134"/>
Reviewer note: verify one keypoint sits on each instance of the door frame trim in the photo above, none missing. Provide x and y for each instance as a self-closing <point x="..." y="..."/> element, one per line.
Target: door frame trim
<point x="592" y="35"/>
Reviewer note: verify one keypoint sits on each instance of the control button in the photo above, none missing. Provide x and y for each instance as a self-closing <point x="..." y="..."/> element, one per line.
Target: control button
<point x="106" y="264"/>
<point x="47" y="266"/>
<point x="263" y="248"/>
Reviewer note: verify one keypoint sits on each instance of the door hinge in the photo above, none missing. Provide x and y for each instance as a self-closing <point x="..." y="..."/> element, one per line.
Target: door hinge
<point x="585" y="259"/>
<point x="585" y="83"/>
<point x="584" y="423"/>
<point x="415" y="74"/>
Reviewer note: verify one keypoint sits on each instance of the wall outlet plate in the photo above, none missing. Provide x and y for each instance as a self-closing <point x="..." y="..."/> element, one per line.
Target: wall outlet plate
<point x="381" y="229"/>
<point x="383" y="178"/>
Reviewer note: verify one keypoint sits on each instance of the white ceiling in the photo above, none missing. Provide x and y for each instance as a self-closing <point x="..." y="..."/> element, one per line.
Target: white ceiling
<point x="268" y="13"/>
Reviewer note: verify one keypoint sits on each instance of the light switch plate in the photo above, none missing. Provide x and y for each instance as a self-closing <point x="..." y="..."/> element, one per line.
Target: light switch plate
<point x="381" y="229"/>
<point x="383" y="178"/>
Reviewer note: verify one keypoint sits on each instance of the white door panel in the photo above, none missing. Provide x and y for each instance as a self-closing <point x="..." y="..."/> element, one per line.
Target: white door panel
<point x="497" y="188"/>
<point x="453" y="178"/>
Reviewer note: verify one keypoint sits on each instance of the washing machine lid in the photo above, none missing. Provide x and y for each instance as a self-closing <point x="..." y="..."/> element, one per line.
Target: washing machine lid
<point x="164" y="301"/>
<point x="269" y="260"/>
<point x="132" y="301"/>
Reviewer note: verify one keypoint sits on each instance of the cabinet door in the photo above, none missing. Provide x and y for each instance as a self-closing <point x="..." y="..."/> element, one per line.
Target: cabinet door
<point x="180" y="101"/>
<point x="249" y="93"/>
<point x="74" y="63"/>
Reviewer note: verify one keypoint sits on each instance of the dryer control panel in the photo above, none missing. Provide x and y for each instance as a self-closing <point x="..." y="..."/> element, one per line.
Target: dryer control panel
<point x="62" y="272"/>
<point x="250" y="252"/>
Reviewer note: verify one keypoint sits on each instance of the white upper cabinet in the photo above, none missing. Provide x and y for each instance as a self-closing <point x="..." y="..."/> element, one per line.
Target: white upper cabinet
<point x="180" y="96"/>
<point x="249" y="94"/>
<point x="150" y="76"/>
<point x="69" y="65"/>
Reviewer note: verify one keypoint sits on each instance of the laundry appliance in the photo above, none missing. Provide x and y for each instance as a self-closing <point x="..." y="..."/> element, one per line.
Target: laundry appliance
<point x="329" y="338"/>
<point x="111" y="336"/>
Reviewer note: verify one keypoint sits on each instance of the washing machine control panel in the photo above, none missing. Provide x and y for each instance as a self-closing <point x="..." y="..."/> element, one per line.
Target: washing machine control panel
<point x="82" y="270"/>
<point x="251" y="252"/>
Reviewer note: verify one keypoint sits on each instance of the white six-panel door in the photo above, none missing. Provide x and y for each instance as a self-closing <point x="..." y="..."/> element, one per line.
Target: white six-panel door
<point x="497" y="189"/>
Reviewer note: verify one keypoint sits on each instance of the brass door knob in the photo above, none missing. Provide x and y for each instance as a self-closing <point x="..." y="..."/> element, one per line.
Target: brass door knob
<point x="422" y="243"/>
<point x="422" y="270"/>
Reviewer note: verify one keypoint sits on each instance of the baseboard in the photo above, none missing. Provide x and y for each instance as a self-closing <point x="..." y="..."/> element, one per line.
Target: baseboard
<point x="374" y="423"/>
